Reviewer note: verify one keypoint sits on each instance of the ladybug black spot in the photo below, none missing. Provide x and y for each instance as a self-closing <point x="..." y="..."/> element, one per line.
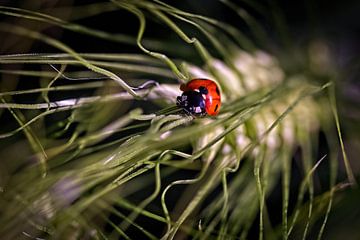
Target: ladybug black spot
<point x="217" y="90"/>
<point x="203" y="90"/>
<point x="216" y="107"/>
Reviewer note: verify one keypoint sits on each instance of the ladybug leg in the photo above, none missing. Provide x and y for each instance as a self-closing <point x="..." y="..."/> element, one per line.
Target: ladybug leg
<point x="203" y="90"/>
<point x="189" y="113"/>
<point x="178" y="101"/>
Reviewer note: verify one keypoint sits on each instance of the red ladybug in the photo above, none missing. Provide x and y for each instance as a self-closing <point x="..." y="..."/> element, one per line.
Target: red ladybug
<point x="200" y="97"/>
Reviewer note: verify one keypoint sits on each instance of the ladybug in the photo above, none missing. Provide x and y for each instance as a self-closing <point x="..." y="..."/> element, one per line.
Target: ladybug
<point x="200" y="97"/>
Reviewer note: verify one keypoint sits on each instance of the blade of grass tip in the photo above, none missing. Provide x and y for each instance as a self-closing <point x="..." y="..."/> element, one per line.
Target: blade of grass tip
<point x="199" y="196"/>
<point x="333" y="174"/>
<point x="116" y="212"/>
<point x="57" y="44"/>
<point x="212" y="210"/>
<point x="110" y="128"/>
<point x="254" y="26"/>
<point x="176" y="123"/>
<point x="174" y="152"/>
<point x="34" y="119"/>
<point x="163" y="195"/>
<point x="303" y="185"/>
<point x="159" y="71"/>
<point x="286" y="172"/>
<point x="224" y="211"/>
<point x="259" y="186"/>
<point x="199" y="47"/>
<point x="238" y="36"/>
<point x="130" y="206"/>
<point x="71" y="103"/>
<point x="81" y="206"/>
<point x="43" y="74"/>
<point x="45" y="94"/>
<point x="135" y="170"/>
<point x="253" y="211"/>
<point x="307" y="161"/>
<point x="140" y="68"/>
<point x="141" y="206"/>
<point x="271" y="167"/>
<point x="61" y="73"/>
<point x="101" y="233"/>
<point x="75" y="211"/>
<point x="41" y="17"/>
<point x="207" y="228"/>
<point x="115" y="227"/>
<point x="170" y="234"/>
<point x="185" y="16"/>
<point x="156" y="123"/>
<point x="243" y="200"/>
<point x="218" y="45"/>
<point x="304" y="94"/>
<point x="331" y="138"/>
<point x="32" y="138"/>
<point x="71" y="87"/>
<point x="328" y="209"/>
<point x="172" y="231"/>
<point x="141" y="30"/>
<point x="267" y="181"/>
<point x="320" y="199"/>
<point x="137" y="114"/>
<point x="332" y="99"/>
<point x="113" y="57"/>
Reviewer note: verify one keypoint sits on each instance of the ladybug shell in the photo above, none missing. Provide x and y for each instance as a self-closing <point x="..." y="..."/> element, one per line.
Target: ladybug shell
<point x="212" y="99"/>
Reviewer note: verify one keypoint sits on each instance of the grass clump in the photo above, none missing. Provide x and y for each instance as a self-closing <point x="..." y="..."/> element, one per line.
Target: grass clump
<point x="94" y="147"/>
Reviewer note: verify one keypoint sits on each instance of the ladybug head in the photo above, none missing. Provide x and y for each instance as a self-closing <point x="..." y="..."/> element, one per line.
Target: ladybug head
<point x="193" y="102"/>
